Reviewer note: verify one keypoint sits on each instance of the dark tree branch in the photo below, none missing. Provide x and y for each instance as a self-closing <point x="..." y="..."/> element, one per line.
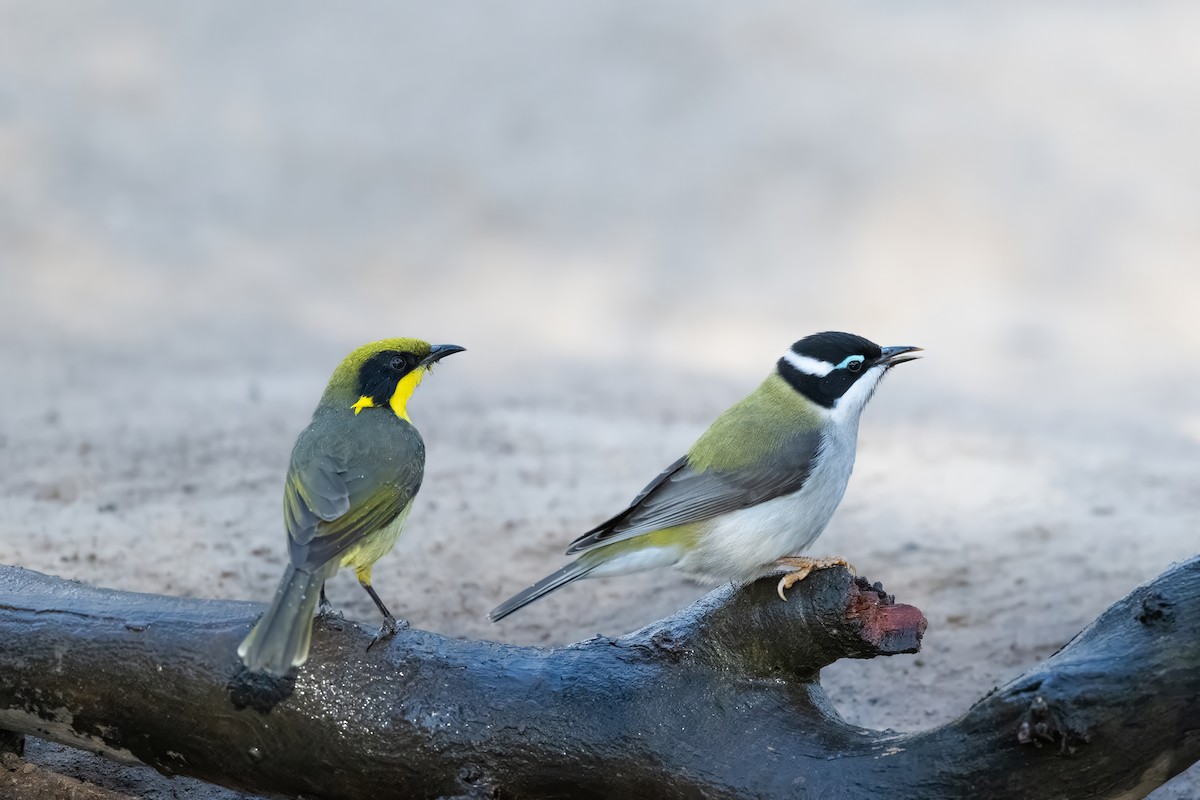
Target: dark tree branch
<point x="720" y="700"/>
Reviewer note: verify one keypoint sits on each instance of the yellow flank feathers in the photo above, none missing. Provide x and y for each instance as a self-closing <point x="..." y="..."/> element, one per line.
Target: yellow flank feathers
<point x="682" y="537"/>
<point x="404" y="390"/>
<point x="374" y="546"/>
<point x="363" y="402"/>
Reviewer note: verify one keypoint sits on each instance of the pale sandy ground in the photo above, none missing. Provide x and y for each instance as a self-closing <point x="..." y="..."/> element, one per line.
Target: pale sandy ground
<point x="626" y="212"/>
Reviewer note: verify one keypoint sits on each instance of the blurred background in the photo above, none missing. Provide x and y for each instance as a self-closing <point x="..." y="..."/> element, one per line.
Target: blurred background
<point x="625" y="212"/>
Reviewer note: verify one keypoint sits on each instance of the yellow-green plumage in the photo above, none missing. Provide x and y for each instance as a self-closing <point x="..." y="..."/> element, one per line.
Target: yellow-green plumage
<point x="757" y="487"/>
<point x="362" y="556"/>
<point x="746" y="436"/>
<point x="344" y="380"/>
<point x="680" y="536"/>
<point x="353" y="475"/>
<point x="751" y="427"/>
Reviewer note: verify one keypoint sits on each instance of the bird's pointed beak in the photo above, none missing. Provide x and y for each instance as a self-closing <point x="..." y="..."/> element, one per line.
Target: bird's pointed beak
<point x="439" y="351"/>
<point x="891" y="356"/>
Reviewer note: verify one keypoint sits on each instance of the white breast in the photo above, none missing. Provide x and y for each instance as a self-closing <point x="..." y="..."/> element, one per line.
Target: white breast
<point x="743" y="544"/>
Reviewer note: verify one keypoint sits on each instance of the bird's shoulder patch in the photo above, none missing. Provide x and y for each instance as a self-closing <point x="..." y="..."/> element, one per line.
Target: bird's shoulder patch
<point x="752" y="429"/>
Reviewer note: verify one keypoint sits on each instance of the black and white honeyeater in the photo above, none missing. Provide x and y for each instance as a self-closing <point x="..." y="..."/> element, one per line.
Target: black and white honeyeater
<point x="757" y="488"/>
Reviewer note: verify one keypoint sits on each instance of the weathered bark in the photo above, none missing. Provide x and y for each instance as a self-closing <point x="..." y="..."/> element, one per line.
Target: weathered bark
<point x="720" y="700"/>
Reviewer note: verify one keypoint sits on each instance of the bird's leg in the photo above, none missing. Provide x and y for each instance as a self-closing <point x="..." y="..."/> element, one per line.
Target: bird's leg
<point x="801" y="566"/>
<point x="324" y="608"/>
<point x="390" y="624"/>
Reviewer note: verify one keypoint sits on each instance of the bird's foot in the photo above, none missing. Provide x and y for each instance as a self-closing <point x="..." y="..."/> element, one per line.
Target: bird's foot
<point x="325" y="608"/>
<point x="331" y="619"/>
<point x="801" y="566"/>
<point x="388" y="629"/>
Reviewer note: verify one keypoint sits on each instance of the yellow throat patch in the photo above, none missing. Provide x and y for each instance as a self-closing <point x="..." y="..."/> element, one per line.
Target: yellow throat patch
<point x="399" y="401"/>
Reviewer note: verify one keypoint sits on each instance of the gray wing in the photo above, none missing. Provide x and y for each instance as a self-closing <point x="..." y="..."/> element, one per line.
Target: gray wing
<point x="681" y="494"/>
<point x="330" y="504"/>
<point x="315" y="491"/>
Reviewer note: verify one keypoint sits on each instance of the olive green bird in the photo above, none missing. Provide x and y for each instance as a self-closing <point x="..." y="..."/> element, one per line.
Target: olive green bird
<point x="353" y="475"/>
<point x="756" y="489"/>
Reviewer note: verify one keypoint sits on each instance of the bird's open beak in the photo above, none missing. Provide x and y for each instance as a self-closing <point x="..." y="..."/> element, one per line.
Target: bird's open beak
<point x="439" y="351"/>
<point x="891" y="356"/>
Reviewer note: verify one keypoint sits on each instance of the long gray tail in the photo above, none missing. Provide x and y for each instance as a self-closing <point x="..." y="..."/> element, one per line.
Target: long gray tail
<point x="545" y="586"/>
<point x="283" y="634"/>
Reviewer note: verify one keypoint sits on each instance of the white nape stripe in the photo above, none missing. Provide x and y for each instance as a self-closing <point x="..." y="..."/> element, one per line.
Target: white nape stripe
<point x="808" y="365"/>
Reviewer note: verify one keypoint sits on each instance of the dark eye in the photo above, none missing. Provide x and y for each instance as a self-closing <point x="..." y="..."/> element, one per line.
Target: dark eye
<point x="854" y="366"/>
<point x="398" y="363"/>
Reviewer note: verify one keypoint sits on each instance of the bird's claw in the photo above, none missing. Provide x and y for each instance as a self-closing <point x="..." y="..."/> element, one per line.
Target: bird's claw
<point x="324" y="607"/>
<point x="802" y="567"/>
<point x="387" y="630"/>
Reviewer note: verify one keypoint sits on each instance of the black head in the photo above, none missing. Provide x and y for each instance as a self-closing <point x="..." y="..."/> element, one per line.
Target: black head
<point x="379" y="375"/>
<point x="825" y="366"/>
<point x="377" y="371"/>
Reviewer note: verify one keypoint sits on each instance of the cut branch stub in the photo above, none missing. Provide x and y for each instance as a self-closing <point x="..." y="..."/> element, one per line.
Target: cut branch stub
<point x="828" y="616"/>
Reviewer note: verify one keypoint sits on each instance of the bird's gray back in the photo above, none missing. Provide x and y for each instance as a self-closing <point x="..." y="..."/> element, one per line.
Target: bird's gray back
<point x="350" y="475"/>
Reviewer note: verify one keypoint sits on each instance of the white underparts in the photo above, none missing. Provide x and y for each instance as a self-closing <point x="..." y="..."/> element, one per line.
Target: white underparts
<point x="849" y="407"/>
<point x="745" y="543"/>
<point x="640" y="560"/>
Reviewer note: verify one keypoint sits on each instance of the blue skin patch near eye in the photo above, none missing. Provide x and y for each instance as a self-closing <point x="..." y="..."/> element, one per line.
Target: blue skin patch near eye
<point x="848" y="360"/>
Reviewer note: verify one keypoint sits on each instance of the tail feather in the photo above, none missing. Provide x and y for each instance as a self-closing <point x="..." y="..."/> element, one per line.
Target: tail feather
<point x="281" y="638"/>
<point x="545" y="586"/>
